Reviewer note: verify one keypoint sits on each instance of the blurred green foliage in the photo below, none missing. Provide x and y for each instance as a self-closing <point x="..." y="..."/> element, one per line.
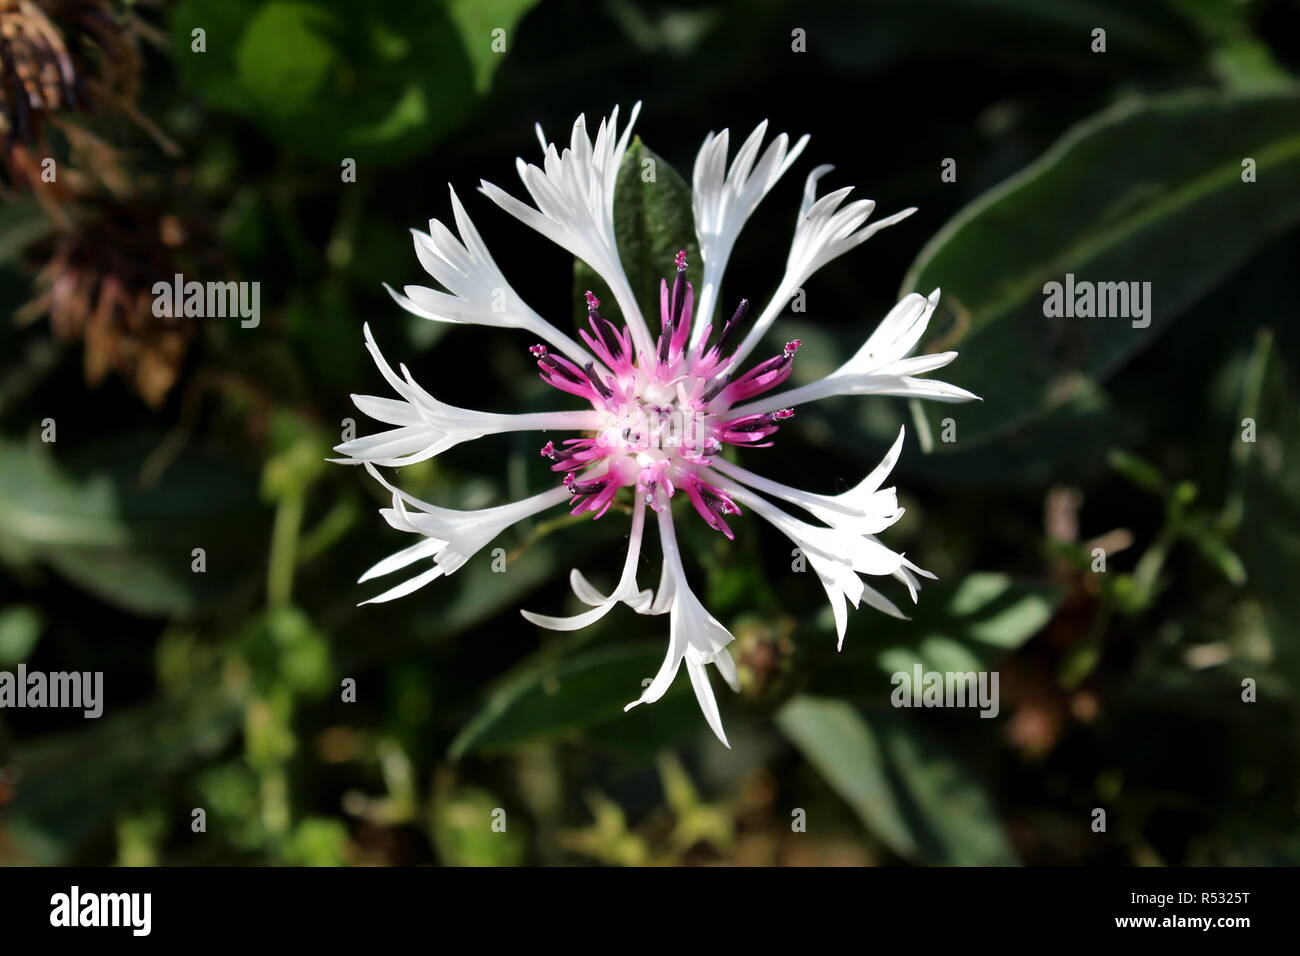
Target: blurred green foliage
<point x="443" y="728"/>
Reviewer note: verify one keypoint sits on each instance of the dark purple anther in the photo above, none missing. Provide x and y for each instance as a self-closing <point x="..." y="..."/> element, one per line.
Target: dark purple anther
<point x="609" y="336"/>
<point x="718" y="385"/>
<point x="597" y="383"/>
<point x="737" y="317"/>
<point x="679" y="289"/>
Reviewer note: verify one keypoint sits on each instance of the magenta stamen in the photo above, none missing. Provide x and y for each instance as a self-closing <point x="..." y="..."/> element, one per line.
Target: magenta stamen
<point x="690" y="381"/>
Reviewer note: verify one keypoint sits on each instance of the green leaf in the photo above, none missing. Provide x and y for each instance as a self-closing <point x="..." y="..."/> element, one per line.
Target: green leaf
<point x="652" y="222"/>
<point x="585" y="689"/>
<point x="377" y="82"/>
<point x="902" y="782"/>
<point x="968" y="625"/>
<point x="477" y="21"/>
<point x="20" y="629"/>
<point x="1238" y="56"/>
<point x="131" y="544"/>
<point x="1111" y="202"/>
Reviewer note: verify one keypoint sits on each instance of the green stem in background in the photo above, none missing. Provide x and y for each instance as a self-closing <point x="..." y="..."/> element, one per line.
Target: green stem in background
<point x="1147" y="572"/>
<point x="347" y="227"/>
<point x="328" y="530"/>
<point x="275" y="800"/>
<point x="922" y="424"/>
<point x="1252" y="388"/>
<point x="284" y="547"/>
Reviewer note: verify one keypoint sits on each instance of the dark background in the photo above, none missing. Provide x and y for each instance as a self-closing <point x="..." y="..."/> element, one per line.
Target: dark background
<point x="1120" y="691"/>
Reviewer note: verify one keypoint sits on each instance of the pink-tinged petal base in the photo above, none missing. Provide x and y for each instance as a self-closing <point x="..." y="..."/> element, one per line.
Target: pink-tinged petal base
<point x="664" y="415"/>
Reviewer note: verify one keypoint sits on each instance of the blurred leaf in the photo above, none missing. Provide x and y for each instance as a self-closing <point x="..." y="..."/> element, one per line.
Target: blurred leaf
<point x="471" y="828"/>
<point x="557" y="697"/>
<point x="903" y="783"/>
<point x="1110" y="202"/>
<point x="964" y="626"/>
<point x="22" y="222"/>
<point x="476" y="20"/>
<point x="286" y="649"/>
<point x="652" y="222"/>
<point x="90" y="518"/>
<point x="1212" y="546"/>
<point x="317" y="841"/>
<point x="1239" y="58"/>
<point x="20" y="629"/>
<point x="378" y="81"/>
<point x="115" y="758"/>
<point x="1138" y="471"/>
<point x="1269" y="537"/>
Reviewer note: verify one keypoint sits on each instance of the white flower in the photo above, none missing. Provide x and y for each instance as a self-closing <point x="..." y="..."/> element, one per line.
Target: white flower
<point x="660" y="408"/>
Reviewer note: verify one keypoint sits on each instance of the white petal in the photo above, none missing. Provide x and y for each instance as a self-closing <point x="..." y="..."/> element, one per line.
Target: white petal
<point x="727" y="668"/>
<point x="477" y="291"/>
<point x="723" y="200"/>
<point x="823" y="231"/>
<point x="695" y="636"/>
<point x="837" y="556"/>
<point x="704" y="696"/>
<point x="896" y="336"/>
<point x="880" y="367"/>
<point x="574" y="195"/>
<point x="406" y="587"/>
<point x="421" y="549"/>
<point x="625" y="589"/>
<point x="864" y="509"/>
<point x="429" y="427"/>
<point x="463" y="533"/>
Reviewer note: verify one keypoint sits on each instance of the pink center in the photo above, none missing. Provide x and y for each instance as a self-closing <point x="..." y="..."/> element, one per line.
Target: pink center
<point x="665" y="415"/>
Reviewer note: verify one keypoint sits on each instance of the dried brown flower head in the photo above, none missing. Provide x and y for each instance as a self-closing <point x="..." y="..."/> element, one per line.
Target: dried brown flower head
<point x="57" y="57"/>
<point x="95" y="283"/>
